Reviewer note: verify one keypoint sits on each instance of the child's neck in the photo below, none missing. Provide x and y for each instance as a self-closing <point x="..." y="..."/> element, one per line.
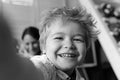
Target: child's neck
<point x="70" y="72"/>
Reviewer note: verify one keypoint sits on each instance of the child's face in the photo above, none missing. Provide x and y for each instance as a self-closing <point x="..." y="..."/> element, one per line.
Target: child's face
<point x="65" y="45"/>
<point x="31" y="45"/>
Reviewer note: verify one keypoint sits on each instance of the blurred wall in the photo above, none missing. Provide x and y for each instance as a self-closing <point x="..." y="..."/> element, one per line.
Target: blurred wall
<point x="21" y="13"/>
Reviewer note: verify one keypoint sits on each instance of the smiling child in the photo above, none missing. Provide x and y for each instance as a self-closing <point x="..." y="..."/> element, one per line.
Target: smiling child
<point x="65" y="37"/>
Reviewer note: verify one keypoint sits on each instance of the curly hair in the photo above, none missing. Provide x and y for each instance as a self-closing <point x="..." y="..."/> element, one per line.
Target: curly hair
<point x="77" y="15"/>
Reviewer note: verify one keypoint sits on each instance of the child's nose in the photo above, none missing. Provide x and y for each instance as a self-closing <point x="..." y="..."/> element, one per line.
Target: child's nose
<point x="30" y="46"/>
<point x="69" y="44"/>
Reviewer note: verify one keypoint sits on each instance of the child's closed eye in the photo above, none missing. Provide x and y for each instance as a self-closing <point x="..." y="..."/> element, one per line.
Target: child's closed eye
<point x="58" y="38"/>
<point x="78" y="40"/>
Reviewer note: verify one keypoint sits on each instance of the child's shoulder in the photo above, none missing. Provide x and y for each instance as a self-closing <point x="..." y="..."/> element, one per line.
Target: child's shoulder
<point x="38" y="59"/>
<point x="41" y="63"/>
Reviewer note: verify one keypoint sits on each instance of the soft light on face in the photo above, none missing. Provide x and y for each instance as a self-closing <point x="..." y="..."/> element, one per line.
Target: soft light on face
<point x="65" y="45"/>
<point x="31" y="45"/>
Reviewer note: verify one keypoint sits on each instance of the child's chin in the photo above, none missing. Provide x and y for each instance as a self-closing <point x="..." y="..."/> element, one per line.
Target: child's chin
<point x="67" y="67"/>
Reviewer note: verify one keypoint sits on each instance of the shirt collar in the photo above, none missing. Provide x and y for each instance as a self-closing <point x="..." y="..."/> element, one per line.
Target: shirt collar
<point x="64" y="76"/>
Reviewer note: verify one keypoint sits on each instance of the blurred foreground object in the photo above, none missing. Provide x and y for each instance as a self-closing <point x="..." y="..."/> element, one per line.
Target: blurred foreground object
<point x="13" y="67"/>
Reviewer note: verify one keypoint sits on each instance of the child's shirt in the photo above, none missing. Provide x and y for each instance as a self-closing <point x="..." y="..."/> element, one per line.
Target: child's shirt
<point x="49" y="71"/>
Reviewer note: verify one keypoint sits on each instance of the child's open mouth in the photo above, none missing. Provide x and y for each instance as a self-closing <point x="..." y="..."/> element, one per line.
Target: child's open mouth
<point x="68" y="55"/>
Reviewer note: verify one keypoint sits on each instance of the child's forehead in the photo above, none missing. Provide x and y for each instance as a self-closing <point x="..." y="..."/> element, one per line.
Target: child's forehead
<point x="60" y="26"/>
<point x="66" y="22"/>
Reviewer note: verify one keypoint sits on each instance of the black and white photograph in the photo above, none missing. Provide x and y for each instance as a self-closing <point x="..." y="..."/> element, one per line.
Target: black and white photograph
<point x="59" y="39"/>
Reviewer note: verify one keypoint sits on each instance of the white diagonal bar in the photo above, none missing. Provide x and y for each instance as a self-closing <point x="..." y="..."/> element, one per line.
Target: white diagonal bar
<point x="106" y="40"/>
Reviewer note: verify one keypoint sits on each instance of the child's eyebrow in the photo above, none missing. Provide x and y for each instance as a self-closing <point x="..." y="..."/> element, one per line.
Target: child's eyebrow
<point x="57" y="33"/>
<point x="76" y="35"/>
<point x="80" y="35"/>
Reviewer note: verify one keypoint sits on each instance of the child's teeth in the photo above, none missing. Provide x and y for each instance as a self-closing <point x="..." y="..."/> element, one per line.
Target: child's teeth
<point x="67" y="55"/>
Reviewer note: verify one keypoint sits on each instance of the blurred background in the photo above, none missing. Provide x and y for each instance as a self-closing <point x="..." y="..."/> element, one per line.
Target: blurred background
<point x="103" y="59"/>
